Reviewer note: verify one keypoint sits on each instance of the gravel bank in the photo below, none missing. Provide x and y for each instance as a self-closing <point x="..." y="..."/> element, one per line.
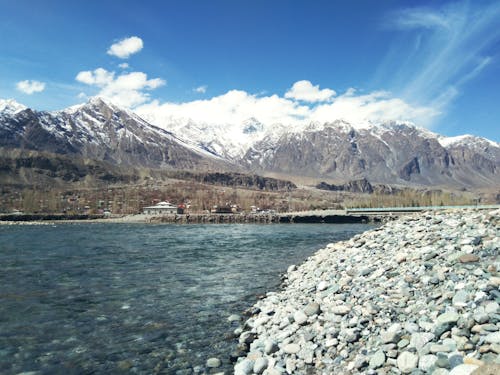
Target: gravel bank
<point x="419" y="295"/>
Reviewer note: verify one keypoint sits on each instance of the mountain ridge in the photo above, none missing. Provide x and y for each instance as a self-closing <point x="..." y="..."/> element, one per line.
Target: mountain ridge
<point x="388" y="152"/>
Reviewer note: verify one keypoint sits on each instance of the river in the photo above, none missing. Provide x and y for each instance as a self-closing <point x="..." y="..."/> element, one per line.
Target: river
<point x="137" y="298"/>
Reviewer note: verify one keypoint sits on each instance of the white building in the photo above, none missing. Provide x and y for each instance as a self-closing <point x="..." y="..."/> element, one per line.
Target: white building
<point x="161" y="208"/>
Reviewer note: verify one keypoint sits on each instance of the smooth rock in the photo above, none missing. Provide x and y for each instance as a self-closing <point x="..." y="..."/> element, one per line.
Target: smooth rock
<point x="436" y="348"/>
<point x="427" y="362"/>
<point x="493" y="338"/>
<point x="300" y="317"/>
<point x="233" y="318"/>
<point x="491" y="307"/>
<point x="323" y="285"/>
<point x="460" y="298"/>
<point x="340" y="310"/>
<point x="377" y="360"/>
<point x="468" y="258"/>
<point x="291" y="348"/>
<point x="244" y="367"/>
<point x="392" y="334"/>
<point x="260" y="365"/>
<point x="270" y="347"/>
<point x="463" y="369"/>
<point x="419" y="339"/>
<point x="445" y="322"/>
<point x="312" y="309"/>
<point x="213" y="362"/>
<point x="407" y="362"/>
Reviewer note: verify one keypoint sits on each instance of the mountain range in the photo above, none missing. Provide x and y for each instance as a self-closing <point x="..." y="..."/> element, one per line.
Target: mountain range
<point x="388" y="152"/>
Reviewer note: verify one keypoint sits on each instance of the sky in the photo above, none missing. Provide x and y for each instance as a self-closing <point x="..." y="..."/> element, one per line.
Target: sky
<point x="434" y="63"/>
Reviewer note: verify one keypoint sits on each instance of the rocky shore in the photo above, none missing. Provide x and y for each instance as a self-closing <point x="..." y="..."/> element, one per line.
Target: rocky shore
<point x="419" y="295"/>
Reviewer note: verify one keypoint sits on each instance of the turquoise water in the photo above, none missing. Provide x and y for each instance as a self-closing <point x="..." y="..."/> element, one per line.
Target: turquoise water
<point x="118" y="298"/>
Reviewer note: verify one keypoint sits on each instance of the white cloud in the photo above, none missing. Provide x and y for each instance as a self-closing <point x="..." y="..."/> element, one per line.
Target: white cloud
<point x="440" y="49"/>
<point x="99" y="77"/>
<point x="124" y="66"/>
<point x="201" y="89"/>
<point x="233" y="107"/>
<point x="419" y="17"/>
<point x="126" y="47"/>
<point x="374" y="107"/>
<point x="127" y="89"/>
<point x="30" y="87"/>
<point x="236" y="106"/>
<point x="305" y="91"/>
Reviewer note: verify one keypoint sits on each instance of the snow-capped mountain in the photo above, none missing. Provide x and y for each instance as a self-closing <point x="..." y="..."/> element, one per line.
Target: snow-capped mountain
<point x="101" y="131"/>
<point x="10" y="107"/>
<point x="230" y="141"/>
<point x="388" y="152"/>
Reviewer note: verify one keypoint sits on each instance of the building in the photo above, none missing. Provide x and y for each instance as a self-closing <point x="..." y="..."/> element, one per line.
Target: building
<point x="162" y="208"/>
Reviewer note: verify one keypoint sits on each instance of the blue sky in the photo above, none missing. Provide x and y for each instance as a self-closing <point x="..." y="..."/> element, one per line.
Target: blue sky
<point x="434" y="63"/>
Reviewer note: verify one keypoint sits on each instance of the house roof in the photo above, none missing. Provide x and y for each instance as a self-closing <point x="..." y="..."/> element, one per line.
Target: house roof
<point x="162" y="205"/>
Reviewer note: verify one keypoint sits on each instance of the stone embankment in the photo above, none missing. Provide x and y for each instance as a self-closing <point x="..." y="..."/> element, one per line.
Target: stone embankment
<point x="419" y="295"/>
<point x="265" y="219"/>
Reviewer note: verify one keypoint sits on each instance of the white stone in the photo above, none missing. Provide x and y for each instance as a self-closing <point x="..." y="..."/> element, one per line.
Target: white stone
<point x="407" y="362"/>
<point x="299" y="317"/>
<point x="427" y="362"/>
<point x="213" y="362"/>
<point x="291" y="348"/>
<point x="322" y="286"/>
<point x="260" y="365"/>
<point x="244" y="367"/>
<point x="463" y="369"/>
<point x="493" y="338"/>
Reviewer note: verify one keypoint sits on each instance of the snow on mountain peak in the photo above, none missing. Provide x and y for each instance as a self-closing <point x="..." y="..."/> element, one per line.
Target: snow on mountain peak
<point x="10" y="106"/>
<point x="466" y="140"/>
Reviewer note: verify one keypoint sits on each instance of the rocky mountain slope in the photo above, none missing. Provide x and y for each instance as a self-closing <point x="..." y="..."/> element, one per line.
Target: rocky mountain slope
<point x="385" y="153"/>
<point x="101" y="131"/>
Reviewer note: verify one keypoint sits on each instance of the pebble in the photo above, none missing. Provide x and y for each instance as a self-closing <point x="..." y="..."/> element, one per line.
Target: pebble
<point x="468" y="258"/>
<point x="291" y="348"/>
<point x="460" y="298"/>
<point x="323" y="285"/>
<point x="407" y="362"/>
<point x="244" y="367"/>
<point x="233" y="318"/>
<point x="312" y="309"/>
<point x="493" y="338"/>
<point x="300" y="317"/>
<point x="213" y="362"/>
<point x="260" y="365"/>
<point x="270" y="347"/>
<point x="340" y="310"/>
<point x="427" y="362"/>
<point x="377" y="360"/>
<point x="463" y="370"/>
<point x="418" y="295"/>
<point x="392" y="334"/>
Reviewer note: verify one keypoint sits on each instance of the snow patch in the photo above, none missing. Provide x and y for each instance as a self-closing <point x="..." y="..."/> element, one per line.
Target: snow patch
<point x="11" y="107"/>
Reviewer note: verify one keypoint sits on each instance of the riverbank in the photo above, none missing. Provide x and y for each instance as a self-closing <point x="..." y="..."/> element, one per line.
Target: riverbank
<point x="419" y="295"/>
<point x="271" y="218"/>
